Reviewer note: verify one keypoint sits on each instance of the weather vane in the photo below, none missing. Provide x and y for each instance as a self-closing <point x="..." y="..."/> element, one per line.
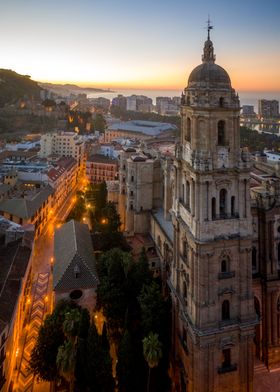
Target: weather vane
<point x="209" y="27"/>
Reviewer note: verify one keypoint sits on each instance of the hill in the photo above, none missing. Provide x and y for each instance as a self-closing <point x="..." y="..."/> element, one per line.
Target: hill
<point x="67" y="89"/>
<point x="14" y="86"/>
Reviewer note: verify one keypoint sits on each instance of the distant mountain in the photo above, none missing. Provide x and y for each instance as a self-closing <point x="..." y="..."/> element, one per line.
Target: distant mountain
<point x="67" y="89"/>
<point x="14" y="86"/>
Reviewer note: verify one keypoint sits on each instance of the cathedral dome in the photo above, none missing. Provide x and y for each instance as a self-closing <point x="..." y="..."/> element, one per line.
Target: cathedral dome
<point x="208" y="74"/>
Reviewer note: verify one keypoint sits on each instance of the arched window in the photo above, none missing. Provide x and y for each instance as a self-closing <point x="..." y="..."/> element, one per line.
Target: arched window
<point x="184" y="290"/>
<point x="224" y="265"/>
<point x="223" y="203"/>
<point x="213" y="208"/>
<point x="221" y="133"/>
<point x="232" y="205"/>
<point x="254" y="259"/>
<point x="188" y="130"/>
<point x="183" y="193"/>
<point x="225" y="310"/>
<point x="187" y="194"/>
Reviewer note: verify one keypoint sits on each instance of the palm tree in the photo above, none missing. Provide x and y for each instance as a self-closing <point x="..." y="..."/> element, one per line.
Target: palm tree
<point x="67" y="353"/>
<point x="152" y="350"/>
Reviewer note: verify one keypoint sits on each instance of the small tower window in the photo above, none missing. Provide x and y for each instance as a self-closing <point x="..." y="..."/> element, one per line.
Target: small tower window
<point x="232" y="206"/>
<point x="188" y="194"/>
<point x="223" y="203"/>
<point x="221" y="102"/>
<point x="254" y="259"/>
<point x="213" y="208"/>
<point x="226" y="358"/>
<point x="76" y="271"/>
<point x="224" y="265"/>
<point x="225" y="310"/>
<point x="184" y="290"/>
<point x="188" y="130"/>
<point x="221" y="133"/>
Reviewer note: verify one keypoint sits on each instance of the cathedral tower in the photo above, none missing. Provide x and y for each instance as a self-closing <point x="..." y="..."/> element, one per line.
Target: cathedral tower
<point x="211" y="278"/>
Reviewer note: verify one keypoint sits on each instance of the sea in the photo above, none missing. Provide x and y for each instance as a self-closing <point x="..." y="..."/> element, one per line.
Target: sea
<point x="246" y="97"/>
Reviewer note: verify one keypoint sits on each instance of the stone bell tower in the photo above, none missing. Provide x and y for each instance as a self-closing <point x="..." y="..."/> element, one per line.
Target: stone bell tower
<point x="211" y="279"/>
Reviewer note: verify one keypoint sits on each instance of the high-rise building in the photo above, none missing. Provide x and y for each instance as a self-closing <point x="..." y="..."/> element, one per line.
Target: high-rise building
<point x="268" y="108"/>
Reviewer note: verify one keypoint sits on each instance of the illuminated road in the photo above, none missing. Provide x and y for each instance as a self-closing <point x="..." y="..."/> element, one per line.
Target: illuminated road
<point x="41" y="301"/>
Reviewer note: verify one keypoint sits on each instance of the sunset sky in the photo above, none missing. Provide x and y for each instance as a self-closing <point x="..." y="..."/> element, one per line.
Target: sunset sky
<point x="140" y="43"/>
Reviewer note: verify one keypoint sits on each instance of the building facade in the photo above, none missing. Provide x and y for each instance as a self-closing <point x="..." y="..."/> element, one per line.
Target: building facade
<point x="268" y="108"/>
<point x="100" y="168"/>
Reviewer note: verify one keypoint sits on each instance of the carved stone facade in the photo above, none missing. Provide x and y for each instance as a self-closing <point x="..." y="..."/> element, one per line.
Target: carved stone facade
<point x="211" y="281"/>
<point x="215" y="221"/>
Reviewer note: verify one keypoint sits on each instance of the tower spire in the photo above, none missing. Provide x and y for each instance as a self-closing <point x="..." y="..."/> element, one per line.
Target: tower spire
<point x="208" y="51"/>
<point x="209" y="27"/>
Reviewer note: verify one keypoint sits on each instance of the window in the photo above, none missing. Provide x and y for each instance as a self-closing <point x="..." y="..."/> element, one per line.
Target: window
<point x="131" y="206"/>
<point x="223" y="202"/>
<point x="254" y="259"/>
<point x="232" y="206"/>
<point x="213" y="208"/>
<point x="226" y="358"/>
<point x="225" y="310"/>
<point x="76" y="271"/>
<point x="224" y="266"/>
<point x="184" y="290"/>
<point x="131" y="193"/>
<point x="132" y="178"/>
<point x="188" y="130"/>
<point x="221" y="133"/>
<point x="221" y="102"/>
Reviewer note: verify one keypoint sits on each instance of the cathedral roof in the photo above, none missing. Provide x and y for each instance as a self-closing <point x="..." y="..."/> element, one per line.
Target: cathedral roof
<point x="208" y="74"/>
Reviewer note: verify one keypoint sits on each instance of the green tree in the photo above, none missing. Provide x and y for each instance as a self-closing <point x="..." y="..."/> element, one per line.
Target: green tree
<point x="126" y="365"/>
<point x="153" y="309"/>
<point x="67" y="353"/>
<point x="152" y="351"/>
<point x="99" y="123"/>
<point x="43" y="356"/>
<point x="51" y="336"/>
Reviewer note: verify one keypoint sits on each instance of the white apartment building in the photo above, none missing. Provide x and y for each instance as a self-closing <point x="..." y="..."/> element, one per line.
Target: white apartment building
<point x="67" y="144"/>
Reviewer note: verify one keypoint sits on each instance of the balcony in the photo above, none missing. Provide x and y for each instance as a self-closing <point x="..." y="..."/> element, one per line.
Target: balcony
<point x="226" y="275"/>
<point x="227" y="369"/>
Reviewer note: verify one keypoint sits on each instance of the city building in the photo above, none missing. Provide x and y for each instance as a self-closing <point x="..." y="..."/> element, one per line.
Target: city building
<point x="138" y="129"/>
<point x="67" y="144"/>
<point x="119" y="101"/>
<point x="15" y="293"/>
<point x="248" y="110"/>
<point x="63" y="178"/>
<point x="74" y="273"/>
<point x="268" y="108"/>
<point x="100" y="168"/>
<point x="168" y="105"/>
<point x="30" y="207"/>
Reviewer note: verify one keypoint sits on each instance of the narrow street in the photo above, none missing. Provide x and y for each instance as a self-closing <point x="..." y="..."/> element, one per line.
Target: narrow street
<point x="41" y="301"/>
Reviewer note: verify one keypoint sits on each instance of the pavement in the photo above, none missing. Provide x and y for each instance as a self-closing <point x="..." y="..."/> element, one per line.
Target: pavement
<point x="41" y="301"/>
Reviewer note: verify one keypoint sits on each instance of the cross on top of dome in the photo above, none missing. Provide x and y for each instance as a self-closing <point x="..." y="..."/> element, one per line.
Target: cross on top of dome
<point x="208" y="51"/>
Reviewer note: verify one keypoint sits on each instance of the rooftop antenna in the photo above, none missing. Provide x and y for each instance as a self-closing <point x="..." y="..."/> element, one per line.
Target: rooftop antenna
<point x="209" y="27"/>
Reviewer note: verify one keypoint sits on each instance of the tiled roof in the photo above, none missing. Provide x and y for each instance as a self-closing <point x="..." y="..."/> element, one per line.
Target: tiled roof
<point x="14" y="261"/>
<point x="73" y="250"/>
<point x="98" y="158"/>
<point x="25" y="208"/>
